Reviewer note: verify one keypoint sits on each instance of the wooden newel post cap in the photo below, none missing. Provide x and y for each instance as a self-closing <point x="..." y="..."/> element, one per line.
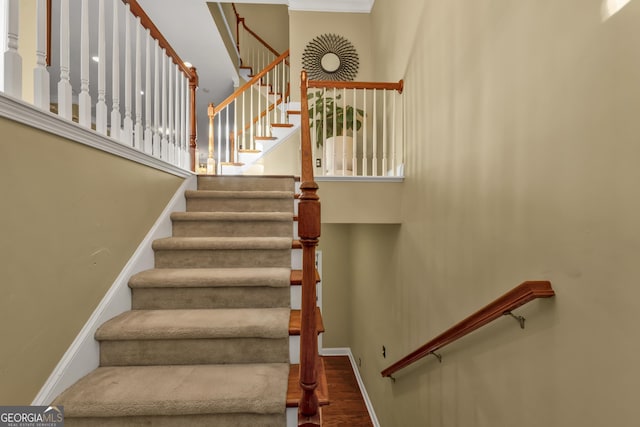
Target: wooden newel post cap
<point x="211" y="109"/>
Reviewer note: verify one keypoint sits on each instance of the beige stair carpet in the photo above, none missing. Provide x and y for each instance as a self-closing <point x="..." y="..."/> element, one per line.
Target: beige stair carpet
<point x="206" y="342"/>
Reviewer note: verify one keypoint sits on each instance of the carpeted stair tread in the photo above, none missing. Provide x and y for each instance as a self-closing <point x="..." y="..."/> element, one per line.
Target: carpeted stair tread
<point x="225" y="243"/>
<point x="196" y="324"/>
<point x="177" y="390"/>
<point x="222" y="194"/>
<point x="211" y="277"/>
<point x="232" y="216"/>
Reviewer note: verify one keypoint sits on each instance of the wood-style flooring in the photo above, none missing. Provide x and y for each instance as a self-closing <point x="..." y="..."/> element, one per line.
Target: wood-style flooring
<point x="346" y="407"/>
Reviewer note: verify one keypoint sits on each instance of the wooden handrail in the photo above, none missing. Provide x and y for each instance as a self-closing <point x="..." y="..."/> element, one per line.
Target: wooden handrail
<point x="309" y="232"/>
<point x="146" y="22"/>
<point x="518" y="296"/>
<point x="250" y="83"/>
<point x="241" y="20"/>
<point x="320" y="84"/>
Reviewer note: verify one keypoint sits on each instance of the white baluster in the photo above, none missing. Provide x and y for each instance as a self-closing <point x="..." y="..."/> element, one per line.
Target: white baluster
<point x="148" y="133"/>
<point x="393" y="134"/>
<point x="127" y="123"/>
<point x="235" y="131"/>
<point x="41" y="95"/>
<point x="187" y="121"/>
<point x="220" y="139"/>
<point x="252" y="140"/>
<point x="374" y="158"/>
<point x="365" y="169"/>
<point x="169" y="130"/>
<point x="101" y="106"/>
<point x="267" y="125"/>
<point x="12" y="59"/>
<point x="157" y="138"/>
<point x="137" y="141"/>
<point x="354" y="156"/>
<point x="227" y="135"/>
<point x="176" y="117"/>
<point x="163" y="104"/>
<point x="84" y="99"/>
<point x="384" y="132"/>
<point x="64" y="85"/>
<point x="284" y="95"/>
<point x="242" y="127"/>
<point x="116" y="117"/>
<point x="184" y="135"/>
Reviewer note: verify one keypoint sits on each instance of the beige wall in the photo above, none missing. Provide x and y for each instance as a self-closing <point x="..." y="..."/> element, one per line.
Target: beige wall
<point x="71" y="218"/>
<point x="522" y="150"/>
<point x="269" y="21"/>
<point x="305" y="26"/>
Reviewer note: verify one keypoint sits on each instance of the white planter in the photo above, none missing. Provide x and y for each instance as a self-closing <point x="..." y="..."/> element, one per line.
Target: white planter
<point x="339" y="151"/>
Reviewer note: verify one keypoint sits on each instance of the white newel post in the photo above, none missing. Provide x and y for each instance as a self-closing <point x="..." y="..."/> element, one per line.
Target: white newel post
<point x="41" y="96"/>
<point x="127" y="123"/>
<point x="12" y="59"/>
<point x="148" y="134"/>
<point x="65" y="101"/>
<point x="116" y="117"/>
<point x="101" y="105"/>
<point x="137" y="133"/>
<point x="84" y="99"/>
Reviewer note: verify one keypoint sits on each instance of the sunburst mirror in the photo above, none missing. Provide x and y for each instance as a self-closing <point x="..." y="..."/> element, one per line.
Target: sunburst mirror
<point x="330" y="57"/>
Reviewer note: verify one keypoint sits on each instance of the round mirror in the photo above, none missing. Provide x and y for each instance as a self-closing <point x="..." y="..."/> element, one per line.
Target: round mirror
<point x="330" y="62"/>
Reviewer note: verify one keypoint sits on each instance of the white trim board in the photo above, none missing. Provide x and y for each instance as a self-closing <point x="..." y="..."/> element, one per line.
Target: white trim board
<point x="22" y="112"/>
<point x="83" y="355"/>
<point x="346" y="351"/>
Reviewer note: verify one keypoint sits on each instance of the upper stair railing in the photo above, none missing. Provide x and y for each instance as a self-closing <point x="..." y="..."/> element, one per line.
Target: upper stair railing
<point x="158" y="92"/>
<point x="309" y="232"/>
<point x="357" y="128"/>
<point x="240" y="122"/>
<point x="255" y="53"/>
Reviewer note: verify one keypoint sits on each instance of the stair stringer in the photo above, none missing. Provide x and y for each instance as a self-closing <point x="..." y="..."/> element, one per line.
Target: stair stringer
<point x="83" y="355"/>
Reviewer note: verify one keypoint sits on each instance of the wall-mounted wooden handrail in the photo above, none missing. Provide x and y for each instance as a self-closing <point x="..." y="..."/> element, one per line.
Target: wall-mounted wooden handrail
<point x="327" y="84"/>
<point x="241" y="21"/>
<point x="520" y="295"/>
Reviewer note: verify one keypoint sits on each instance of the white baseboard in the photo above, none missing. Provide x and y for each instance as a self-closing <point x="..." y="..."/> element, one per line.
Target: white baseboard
<point x="83" y="355"/>
<point x="346" y="351"/>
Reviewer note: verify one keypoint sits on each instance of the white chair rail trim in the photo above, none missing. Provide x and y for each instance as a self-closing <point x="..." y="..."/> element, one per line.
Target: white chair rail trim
<point x="27" y="114"/>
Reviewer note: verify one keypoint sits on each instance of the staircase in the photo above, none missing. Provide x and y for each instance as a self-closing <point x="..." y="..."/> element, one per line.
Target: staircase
<point x="207" y="340"/>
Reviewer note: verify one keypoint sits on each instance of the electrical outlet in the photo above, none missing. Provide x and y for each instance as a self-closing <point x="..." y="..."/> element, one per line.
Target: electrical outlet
<point x="318" y="163"/>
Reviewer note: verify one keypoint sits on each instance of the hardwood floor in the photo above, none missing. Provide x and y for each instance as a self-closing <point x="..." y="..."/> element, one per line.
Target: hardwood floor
<point x="346" y="407"/>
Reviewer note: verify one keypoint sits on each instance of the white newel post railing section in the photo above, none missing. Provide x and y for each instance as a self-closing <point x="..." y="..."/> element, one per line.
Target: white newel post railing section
<point x="158" y="87"/>
<point x="353" y="128"/>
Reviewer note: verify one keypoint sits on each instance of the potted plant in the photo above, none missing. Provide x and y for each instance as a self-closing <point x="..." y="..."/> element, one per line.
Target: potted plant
<point x="330" y="112"/>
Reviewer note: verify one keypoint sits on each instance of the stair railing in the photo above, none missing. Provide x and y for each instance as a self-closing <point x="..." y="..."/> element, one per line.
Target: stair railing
<point x="163" y="124"/>
<point x="503" y="306"/>
<point x="309" y="232"/>
<point x="357" y="128"/>
<point x="255" y="53"/>
<point x="246" y="116"/>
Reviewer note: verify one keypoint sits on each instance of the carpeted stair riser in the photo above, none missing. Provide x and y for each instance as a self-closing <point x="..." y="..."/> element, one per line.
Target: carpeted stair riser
<point x="205" y="224"/>
<point x="203" y="298"/>
<point x="222" y="258"/>
<point x="204" y="288"/>
<point x="193" y="352"/>
<point x="244" y="183"/>
<point x="246" y="201"/>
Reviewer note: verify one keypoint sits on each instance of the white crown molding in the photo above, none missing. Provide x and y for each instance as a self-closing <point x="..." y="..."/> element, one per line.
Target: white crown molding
<point x="27" y="114"/>
<point x="345" y="6"/>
